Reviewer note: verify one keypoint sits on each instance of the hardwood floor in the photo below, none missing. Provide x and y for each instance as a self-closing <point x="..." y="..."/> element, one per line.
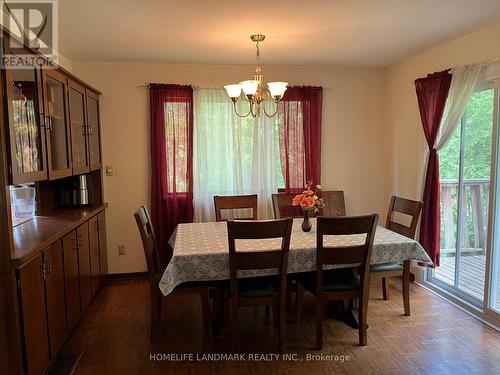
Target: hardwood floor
<point x="437" y="338"/>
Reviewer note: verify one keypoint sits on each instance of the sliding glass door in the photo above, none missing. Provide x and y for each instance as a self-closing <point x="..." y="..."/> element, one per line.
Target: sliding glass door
<point x="469" y="266"/>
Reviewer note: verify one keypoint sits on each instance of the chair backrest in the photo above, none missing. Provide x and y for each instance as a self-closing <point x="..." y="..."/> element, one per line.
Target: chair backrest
<point x="252" y="260"/>
<point x="334" y="205"/>
<point x="405" y="207"/>
<point x="282" y="206"/>
<point x="234" y="202"/>
<point x="352" y="254"/>
<point x="148" y="240"/>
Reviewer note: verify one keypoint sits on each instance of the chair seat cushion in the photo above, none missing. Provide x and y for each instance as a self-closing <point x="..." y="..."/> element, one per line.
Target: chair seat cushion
<point x="386" y="267"/>
<point x="338" y="280"/>
<point x="255" y="287"/>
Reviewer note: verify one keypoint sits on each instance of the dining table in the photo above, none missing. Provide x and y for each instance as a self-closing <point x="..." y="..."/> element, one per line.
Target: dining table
<point x="201" y="252"/>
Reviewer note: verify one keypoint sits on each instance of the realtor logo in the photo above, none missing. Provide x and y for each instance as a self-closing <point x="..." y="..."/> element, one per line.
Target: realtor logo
<point x="33" y="24"/>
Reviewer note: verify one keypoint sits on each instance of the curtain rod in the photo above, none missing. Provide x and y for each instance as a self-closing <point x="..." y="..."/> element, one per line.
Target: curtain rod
<point x="148" y="85"/>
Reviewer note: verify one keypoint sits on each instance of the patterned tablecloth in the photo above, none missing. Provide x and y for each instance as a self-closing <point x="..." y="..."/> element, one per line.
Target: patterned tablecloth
<point x="201" y="251"/>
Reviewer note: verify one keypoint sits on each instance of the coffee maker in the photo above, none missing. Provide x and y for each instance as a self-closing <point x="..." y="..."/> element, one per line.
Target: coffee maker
<point x="76" y="191"/>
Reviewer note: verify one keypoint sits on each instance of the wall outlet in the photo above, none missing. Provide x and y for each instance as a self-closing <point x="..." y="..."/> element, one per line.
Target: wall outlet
<point x="121" y="250"/>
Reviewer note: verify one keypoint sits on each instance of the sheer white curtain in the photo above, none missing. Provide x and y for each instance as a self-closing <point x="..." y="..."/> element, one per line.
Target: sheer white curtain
<point x="463" y="82"/>
<point x="231" y="155"/>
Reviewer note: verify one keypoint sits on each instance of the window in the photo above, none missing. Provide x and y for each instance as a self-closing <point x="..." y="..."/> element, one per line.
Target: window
<point x="469" y="173"/>
<point x="232" y="155"/>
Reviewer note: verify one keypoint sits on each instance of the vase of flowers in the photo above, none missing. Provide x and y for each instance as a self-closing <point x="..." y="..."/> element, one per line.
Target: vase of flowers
<point x="310" y="201"/>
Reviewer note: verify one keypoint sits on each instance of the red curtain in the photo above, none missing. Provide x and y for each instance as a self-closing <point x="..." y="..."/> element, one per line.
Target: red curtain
<point x="432" y="93"/>
<point x="171" y="111"/>
<point x="300" y="136"/>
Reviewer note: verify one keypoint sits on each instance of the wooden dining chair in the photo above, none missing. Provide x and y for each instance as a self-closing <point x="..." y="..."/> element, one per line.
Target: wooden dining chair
<point x="282" y="206"/>
<point x="259" y="291"/>
<point x="152" y="259"/>
<point x="344" y="283"/>
<point x="399" y="207"/>
<point x="234" y="202"/>
<point x="334" y="205"/>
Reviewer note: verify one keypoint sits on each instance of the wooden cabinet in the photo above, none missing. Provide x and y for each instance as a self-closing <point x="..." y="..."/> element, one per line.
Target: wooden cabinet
<point x="56" y="124"/>
<point x="55" y="287"/>
<point x="85" y="276"/>
<point x="94" y="130"/>
<point x="103" y="254"/>
<point x="71" y="281"/>
<point x="55" y="296"/>
<point x="95" y="269"/>
<point x="31" y="285"/>
<point x="27" y="154"/>
<point x="79" y="129"/>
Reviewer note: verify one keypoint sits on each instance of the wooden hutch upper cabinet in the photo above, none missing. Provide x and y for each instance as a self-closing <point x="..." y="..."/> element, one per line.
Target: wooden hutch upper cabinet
<point x="56" y="124"/>
<point x="94" y="130"/>
<point x="79" y="128"/>
<point x="26" y="124"/>
<point x="31" y="285"/>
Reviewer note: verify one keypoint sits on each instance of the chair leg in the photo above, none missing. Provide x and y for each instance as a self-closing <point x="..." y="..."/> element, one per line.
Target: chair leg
<point x="275" y="314"/>
<point x="207" y="318"/>
<point x="156" y="306"/>
<point x="298" y="302"/>
<point x="385" y="288"/>
<point x="267" y="313"/>
<point x="281" y="330"/>
<point x="319" y="322"/>
<point x="234" y="325"/>
<point x="362" y="312"/>
<point x="406" y="286"/>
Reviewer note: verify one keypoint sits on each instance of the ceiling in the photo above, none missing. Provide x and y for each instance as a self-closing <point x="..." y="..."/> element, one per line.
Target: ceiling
<point x="305" y="32"/>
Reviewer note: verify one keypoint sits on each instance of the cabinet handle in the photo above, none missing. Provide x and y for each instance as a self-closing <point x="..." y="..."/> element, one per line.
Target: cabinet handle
<point x="43" y="271"/>
<point x="48" y="123"/>
<point x="90" y="130"/>
<point x="49" y="266"/>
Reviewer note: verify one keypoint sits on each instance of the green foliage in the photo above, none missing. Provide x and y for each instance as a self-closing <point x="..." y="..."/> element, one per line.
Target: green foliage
<point x="475" y="131"/>
<point x="477" y="128"/>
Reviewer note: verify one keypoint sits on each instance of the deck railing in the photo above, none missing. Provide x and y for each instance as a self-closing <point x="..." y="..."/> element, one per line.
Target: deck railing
<point x="474" y="218"/>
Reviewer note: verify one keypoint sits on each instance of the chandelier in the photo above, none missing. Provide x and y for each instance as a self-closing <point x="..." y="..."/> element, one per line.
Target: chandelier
<point x="253" y="89"/>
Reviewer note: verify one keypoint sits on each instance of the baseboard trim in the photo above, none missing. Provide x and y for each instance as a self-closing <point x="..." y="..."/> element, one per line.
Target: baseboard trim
<point x="125" y="276"/>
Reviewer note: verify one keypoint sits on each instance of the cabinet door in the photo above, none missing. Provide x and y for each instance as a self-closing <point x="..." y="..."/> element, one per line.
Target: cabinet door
<point x="34" y="318"/>
<point x="56" y="124"/>
<point x="94" y="253"/>
<point x="26" y="127"/>
<point x="79" y="130"/>
<point x="103" y="255"/>
<point x="54" y="289"/>
<point x="94" y="130"/>
<point x="71" y="283"/>
<point x="82" y="235"/>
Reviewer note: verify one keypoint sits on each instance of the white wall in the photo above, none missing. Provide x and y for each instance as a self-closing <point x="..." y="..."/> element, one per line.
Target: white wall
<point x="352" y="153"/>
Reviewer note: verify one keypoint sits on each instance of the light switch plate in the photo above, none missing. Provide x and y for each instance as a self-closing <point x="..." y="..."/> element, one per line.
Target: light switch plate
<point x="109" y="170"/>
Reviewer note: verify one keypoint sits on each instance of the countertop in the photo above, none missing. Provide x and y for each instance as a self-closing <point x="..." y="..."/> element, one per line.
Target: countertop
<point x="37" y="234"/>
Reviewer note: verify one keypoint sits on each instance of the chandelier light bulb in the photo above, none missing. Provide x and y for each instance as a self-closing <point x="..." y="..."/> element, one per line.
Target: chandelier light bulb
<point x="233" y="91"/>
<point x="249" y="87"/>
<point x="277" y="89"/>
